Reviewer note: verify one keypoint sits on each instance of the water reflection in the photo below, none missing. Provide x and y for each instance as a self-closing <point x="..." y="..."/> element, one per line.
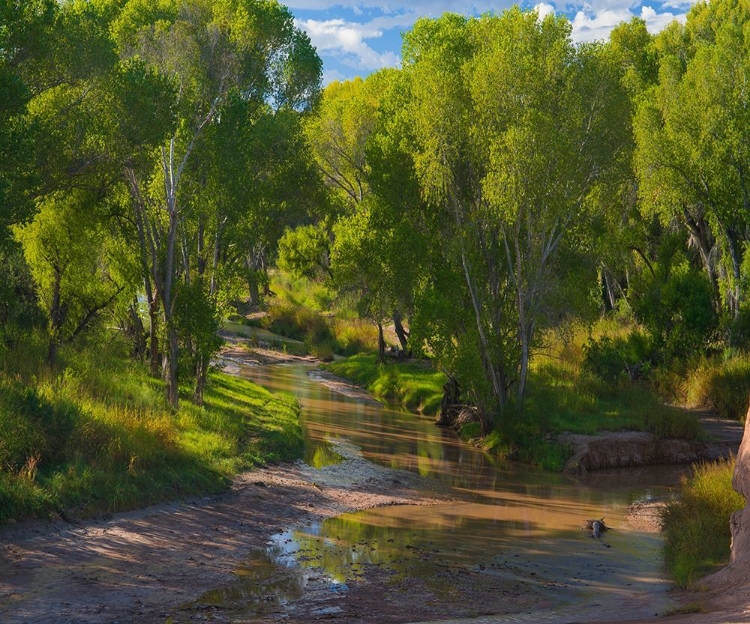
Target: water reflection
<point x="512" y="521"/>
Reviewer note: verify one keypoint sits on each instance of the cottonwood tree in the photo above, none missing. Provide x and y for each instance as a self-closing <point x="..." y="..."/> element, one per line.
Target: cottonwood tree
<point x="693" y="137"/>
<point x="78" y="261"/>
<point x="513" y="126"/>
<point x="213" y="51"/>
<point x="348" y="134"/>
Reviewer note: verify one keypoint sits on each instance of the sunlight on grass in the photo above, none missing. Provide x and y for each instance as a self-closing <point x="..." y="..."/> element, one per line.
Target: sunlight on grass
<point x="696" y="525"/>
<point x="100" y="437"/>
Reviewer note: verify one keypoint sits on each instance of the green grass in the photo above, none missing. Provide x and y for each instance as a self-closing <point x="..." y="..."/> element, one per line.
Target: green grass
<point x="100" y="438"/>
<point x="563" y="398"/>
<point x="416" y="386"/>
<point x="696" y="525"/>
<point x="721" y="386"/>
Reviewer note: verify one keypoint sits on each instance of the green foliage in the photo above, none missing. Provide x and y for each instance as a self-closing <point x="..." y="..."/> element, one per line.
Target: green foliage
<point x="197" y="319"/>
<point x="721" y="386"/>
<point x="354" y="336"/>
<point x="610" y="359"/>
<point x="302" y="292"/>
<point x="19" y="310"/>
<point x="696" y="524"/>
<point x="470" y="431"/>
<point x="301" y="310"/>
<point x="304" y="251"/>
<point x="692" y="131"/>
<point x="298" y="323"/>
<point x="102" y="438"/>
<point x="414" y="385"/>
<point x="675" y="305"/>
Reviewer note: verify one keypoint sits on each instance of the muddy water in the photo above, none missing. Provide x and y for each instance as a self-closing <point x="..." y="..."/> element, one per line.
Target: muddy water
<point x="517" y="528"/>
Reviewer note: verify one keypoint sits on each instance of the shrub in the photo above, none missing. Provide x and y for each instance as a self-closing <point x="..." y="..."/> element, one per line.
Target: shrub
<point x="696" y="525"/>
<point x="721" y="386"/>
<point x="675" y="304"/>
<point x="355" y="336"/>
<point x="298" y="323"/>
<point x="610" y="359"/>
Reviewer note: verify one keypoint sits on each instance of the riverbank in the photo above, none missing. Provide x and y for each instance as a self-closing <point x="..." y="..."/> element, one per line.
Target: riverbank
<point x="100" y="437"/>
<point x="205" y="561"/>
<point x="154" y="564"/>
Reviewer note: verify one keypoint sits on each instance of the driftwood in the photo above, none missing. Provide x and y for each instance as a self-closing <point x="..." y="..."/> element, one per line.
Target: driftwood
<point x="597" y="527"/>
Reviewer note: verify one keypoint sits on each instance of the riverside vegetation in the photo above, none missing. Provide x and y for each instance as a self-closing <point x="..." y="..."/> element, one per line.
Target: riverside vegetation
<point x="100" y="437"/>
<point x="161" y="162"/>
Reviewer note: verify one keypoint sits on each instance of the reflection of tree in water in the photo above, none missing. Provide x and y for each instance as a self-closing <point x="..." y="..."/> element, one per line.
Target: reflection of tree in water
<point x="344" y="546"/>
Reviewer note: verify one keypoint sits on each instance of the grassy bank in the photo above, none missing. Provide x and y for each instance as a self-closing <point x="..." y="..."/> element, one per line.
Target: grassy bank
<point x="562" y="397"/>
<point x="696" y="525"/>
<point x="100" y="438"/>
<point x="416" y="386"/>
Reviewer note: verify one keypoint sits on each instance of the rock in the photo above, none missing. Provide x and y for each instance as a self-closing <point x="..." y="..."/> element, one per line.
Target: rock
<point x="740" y="522"/>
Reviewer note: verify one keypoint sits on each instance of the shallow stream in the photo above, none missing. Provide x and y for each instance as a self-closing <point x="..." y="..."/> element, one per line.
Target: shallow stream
<point x="518" y="528"/>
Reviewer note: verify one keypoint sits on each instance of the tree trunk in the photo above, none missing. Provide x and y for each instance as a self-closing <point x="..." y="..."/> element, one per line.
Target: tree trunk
<point x="172" y="381"/>
<point x="252" y="284"/>
<point x="52" y="352"/>
<point x="136" y="331"/>
<point x="403" y="335"/>
<point x="735" y="255"/>
<point x="153" y="336"/>
<point x="57" y="314"/>
<point x="381" y="343"/>
<point x="609" y="296"/>
<point x="702" y="237"/>
<point x="201" y="375"/>
<point x="524" y="369"/>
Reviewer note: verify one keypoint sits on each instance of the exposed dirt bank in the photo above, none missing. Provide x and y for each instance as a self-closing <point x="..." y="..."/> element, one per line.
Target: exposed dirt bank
<point x="637" y="448"/>
<point x="144" y="566"/>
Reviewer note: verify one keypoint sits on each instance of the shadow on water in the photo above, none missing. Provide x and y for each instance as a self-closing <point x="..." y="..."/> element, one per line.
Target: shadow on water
<point x="513" y="527"/>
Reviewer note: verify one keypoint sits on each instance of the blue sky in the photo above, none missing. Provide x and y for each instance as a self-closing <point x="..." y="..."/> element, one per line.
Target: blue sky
<point x="355" y="37"/>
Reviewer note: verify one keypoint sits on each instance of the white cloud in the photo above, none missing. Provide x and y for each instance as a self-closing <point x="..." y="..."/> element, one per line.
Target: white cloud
<point x="329" y="75"/>
<point x="358" y="41"/>
<point x="346" y="40"/>
<point x="593" y="26"/>
<point x="543" y="10"/>
<point x="656" y="22"/>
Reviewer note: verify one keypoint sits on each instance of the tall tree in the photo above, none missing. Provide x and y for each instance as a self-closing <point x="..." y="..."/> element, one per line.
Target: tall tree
<point x="214" y="51"/>
<point x="693" y="133"/>
<point x="514" y="127"/>
<point x="24" y="36"/>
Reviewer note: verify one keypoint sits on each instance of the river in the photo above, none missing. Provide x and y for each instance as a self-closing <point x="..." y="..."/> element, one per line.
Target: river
<point x="521" y="528"/>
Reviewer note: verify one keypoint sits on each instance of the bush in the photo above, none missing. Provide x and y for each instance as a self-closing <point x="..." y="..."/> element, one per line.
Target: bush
<point x="722" y="387"/>
<point x="610" y="359"/>
<point x="33" y="430"/>
<point x="696" y="525"/>
<point x="298" y="323"/>
<point x="355" y="336"/>
<point x="675" y="305"/>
